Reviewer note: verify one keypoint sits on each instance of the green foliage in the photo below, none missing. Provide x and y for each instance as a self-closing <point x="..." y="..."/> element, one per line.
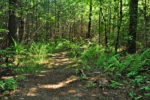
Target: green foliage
<point x="129" y="63"/>
<point x="28" y="68"/>
<point x="3" y="31"/>
<point x="20" y="78"/>
<point x="2" y="85"/>
<point x="63" y="44"/>
<point x="91" y="85"/>
<point x="133" y="68"/>
<point x="38" y="48"/>
<point x="11" y="84"/>
<point x="19" y="48"/>
<point x="74" y="48"/>
<point x="97" y="55"/>
<point x="115" y="84"/>
<point x="8" y="84"/>
<point x="92" y="52"/>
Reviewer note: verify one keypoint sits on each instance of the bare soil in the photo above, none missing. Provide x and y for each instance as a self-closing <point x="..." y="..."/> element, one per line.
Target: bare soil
<point x="59" y="82"/>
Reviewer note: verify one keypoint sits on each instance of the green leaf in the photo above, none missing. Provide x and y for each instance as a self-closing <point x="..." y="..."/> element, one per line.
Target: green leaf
<point x="1" y="38"/>
<point x="4" y="31"/>
<point x="2" y="85"/>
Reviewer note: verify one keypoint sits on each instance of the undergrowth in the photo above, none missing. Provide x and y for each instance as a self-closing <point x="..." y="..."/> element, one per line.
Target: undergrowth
<point x="130" y="72"/>
<point x="21" y="59"/>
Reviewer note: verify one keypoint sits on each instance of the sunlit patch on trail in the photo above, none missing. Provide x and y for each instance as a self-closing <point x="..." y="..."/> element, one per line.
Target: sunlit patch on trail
<point x="79" y="94"/>
<point x="60" y="84"/>
<point x="94" y="95"/>
<point x="45" y="71"/>
<point x="32" y="92"/>
<point x="41" y="75"/>
<point x="69" y="91"/>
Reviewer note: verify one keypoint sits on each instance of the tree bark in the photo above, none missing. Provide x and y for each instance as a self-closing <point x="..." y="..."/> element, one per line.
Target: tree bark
<point x="81" y="24"/>
<point x="12" y="23"/>
<point x="88" y="35"/>
<point x="119" y="26"/>
<point x="55" y="21"/>
<point x="21" y="28"/>
<point x="100" y="25"/>
<point x="105" y="21"/>
<point x="133" y="11"/>
<point x="145" y="24"/>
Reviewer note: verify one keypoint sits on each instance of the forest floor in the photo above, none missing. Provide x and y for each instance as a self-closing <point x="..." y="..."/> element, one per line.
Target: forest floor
<point x="58" y="81"/>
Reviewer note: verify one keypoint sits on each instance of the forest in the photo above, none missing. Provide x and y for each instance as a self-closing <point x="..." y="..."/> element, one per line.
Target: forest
<point x="74" y="49"/>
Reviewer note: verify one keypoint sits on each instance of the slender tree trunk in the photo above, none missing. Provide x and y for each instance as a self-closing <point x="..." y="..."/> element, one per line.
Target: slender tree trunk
<point x="90" y="21"/>
<point x="55" y="22"/>
<point x="110" y="18"/>
<point x="100" y="25"/>
<point x="36" y="26"/>
<point x="50" y="30"/>
<point x="47" y="29"/>
<point x="70" y="31"/>
<point x="133" y="11"/>
<point x="106" y="38"/>
<point x="119" y="26"/>
<point x="145" y="24"/>
<point x="12" y="24"/>
<point x="105" y="21"/>
<point x="110" y="22"/>
<point x="114" y="19"/>
<point x="28" y="33"/>
<point x="21" y="28"/>
<point x="36" y="17"/>
<point x="74" y="28"/>
<point x="81" y="24"/>
<point x="50" y="24"/>
<point x="58" y="18"/>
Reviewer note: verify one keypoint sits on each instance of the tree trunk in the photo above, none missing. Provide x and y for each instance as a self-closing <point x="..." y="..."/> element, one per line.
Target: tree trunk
<point x="55" y="22"/>
<point x="90" y="21"/>
<point x="105" y="21"/>
<point x="133" y="11"/>
<point x="145" y="24"/>
<point x="12" y="24"/>
<point x="81" y="24"/>
<point x="21" y="28"/>
<point x="106" y="38"/>
<point x="110" y="18"/>
<point x="100" y="25"/>
<point x="119" y="26"/>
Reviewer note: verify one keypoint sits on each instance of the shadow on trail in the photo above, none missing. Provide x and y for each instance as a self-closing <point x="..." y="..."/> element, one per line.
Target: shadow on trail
<point x="58" y="82"/>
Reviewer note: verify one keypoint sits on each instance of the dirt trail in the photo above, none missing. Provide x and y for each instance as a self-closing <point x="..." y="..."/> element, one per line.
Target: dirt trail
<point x="59" y="82"/>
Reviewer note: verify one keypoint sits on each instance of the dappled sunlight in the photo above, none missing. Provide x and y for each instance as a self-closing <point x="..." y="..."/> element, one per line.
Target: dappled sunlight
<point x="32" y="92"/>
<point x="6" y="77"/>
<point x="69" y="92"/>
<point x="45" y="71"/>
<point x="65" y="59"/>
<point x="55" y="82"/>
<point x="40" y="75"/>
<point x="63" y="63"/>
<point x="72" y="91"/>
<point x="94" y="95"/>
<point x="15" y="91"/>
<point x="79" y="94"/>
<point x="44" y="62"/>
<point x="60" y="84"/>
